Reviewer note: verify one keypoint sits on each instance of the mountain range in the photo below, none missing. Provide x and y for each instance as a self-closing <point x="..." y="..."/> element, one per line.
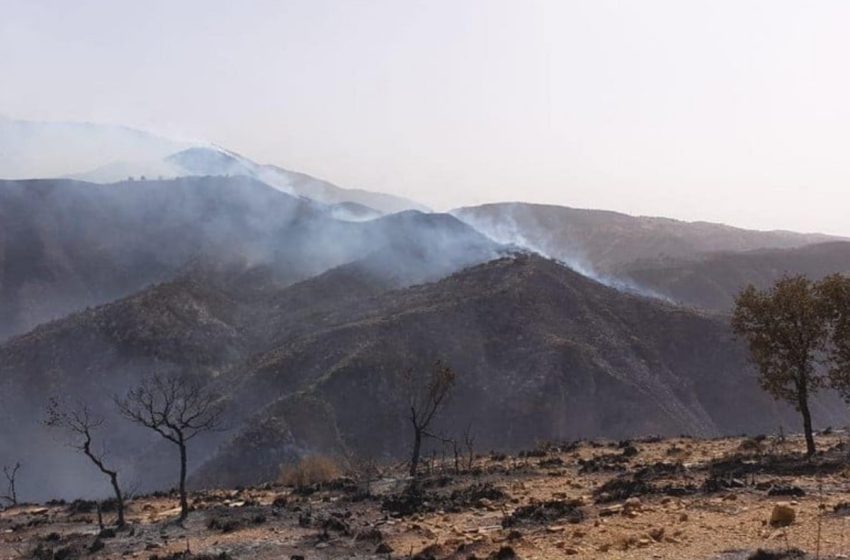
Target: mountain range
<point x="301" y="303"/>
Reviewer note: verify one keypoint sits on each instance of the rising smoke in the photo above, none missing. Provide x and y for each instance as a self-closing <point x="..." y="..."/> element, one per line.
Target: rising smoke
<point x="506" y="229"/>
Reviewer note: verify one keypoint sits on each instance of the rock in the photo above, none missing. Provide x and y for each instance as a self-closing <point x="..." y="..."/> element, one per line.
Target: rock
<point x="782" y="515"/>
<point x="683" y="517"/>
<point x="632" y="505"/>
<point x="383" y="548"/>
<point x="611" y="510"/>
<point x="656" y="533"/>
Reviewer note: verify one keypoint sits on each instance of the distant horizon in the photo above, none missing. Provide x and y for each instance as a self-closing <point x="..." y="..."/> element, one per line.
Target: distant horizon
<point x="202" y="143"/>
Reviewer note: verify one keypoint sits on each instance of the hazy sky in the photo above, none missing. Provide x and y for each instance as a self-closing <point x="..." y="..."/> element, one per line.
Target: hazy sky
<point x="727" y="111"/>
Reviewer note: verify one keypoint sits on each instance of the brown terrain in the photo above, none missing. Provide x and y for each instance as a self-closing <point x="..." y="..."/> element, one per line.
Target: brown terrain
<point x="729" y="498"/>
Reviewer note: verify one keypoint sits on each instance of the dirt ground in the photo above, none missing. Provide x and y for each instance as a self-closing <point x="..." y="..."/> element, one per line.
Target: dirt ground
<point x="665" y="499"/>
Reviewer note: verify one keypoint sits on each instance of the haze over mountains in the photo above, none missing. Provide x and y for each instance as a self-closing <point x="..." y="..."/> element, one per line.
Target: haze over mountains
<point x="300" y="302"/>
<point x="31" y="149"/>
<point x="110" y="154"/>
<point x="600" y="242"/>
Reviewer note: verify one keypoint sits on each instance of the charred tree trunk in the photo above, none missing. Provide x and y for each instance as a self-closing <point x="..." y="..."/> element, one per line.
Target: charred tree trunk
<point x="184" y="502"/>
<point x="113" y="478"/>
<point x="119" y="498"/>
<point x="417" y="450"/>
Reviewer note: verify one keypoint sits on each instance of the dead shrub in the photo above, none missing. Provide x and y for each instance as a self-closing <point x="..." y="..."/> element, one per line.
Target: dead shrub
<point x="309" y="471"/>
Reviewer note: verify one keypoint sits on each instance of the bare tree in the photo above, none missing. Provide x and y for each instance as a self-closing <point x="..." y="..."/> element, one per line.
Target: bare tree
<point x="455" y="453"/>
<point x="80" y="422"/>
<point x="178" y="408"/>
<point x="425" y="401"/>
<point x="469" y="443"/>
<point x="11" y="475"/>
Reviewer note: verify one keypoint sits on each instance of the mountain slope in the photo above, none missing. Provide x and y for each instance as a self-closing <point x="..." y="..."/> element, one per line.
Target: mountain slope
<point x="67" y="244"/>
<point x="542" y="353"/>
<point x="213" y="317"/>
<point x="204" y="161"/>
<point x="211" y="161"/>
<point x="598" y="242"/>
<point x="712" y="281"/>
<point x="101" y="153"/>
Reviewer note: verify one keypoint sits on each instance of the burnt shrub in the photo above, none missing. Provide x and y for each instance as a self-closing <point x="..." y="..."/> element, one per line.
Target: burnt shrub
<point x="544" y="513"/>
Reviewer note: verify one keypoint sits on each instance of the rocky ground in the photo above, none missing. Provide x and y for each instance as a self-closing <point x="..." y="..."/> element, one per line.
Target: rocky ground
<point x="680" y="498"/>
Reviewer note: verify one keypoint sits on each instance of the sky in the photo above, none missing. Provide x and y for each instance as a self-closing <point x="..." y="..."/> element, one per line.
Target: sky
<point x="728" y="111"/>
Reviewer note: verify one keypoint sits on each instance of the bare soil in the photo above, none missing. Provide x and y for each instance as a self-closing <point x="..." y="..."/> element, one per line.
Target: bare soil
<point x="659" y="499"/>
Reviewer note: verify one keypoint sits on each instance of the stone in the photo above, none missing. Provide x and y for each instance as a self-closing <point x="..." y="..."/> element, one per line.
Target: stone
<point x="610" y="510"/>
<point x="632" y="504"/>
<point x="782" y="515"/>
<point x="656" y="533"/>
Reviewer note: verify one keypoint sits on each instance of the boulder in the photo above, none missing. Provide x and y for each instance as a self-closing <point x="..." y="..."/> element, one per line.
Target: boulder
<point x="782" y="515"/>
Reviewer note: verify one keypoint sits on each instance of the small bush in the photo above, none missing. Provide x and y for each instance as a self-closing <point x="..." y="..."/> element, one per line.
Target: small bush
<point x="310" y="470"/>
<point x="752" y="445"/>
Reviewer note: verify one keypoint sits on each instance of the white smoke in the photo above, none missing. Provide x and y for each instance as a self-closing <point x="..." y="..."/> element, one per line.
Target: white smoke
<point x="505" y="229"/>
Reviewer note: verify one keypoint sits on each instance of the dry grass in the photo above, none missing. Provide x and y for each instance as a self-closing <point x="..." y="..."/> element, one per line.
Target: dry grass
<point x="313" y="469"/>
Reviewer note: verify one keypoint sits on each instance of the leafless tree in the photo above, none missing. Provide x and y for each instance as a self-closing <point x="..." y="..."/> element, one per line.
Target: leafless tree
<point x="11" y="474"/>
<point x="425" y="401"/>
<point x="469" y="443"/>
<point x="81" y="423"/>
<point x="178" y="408"/>
<point x="456" y="453"/>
